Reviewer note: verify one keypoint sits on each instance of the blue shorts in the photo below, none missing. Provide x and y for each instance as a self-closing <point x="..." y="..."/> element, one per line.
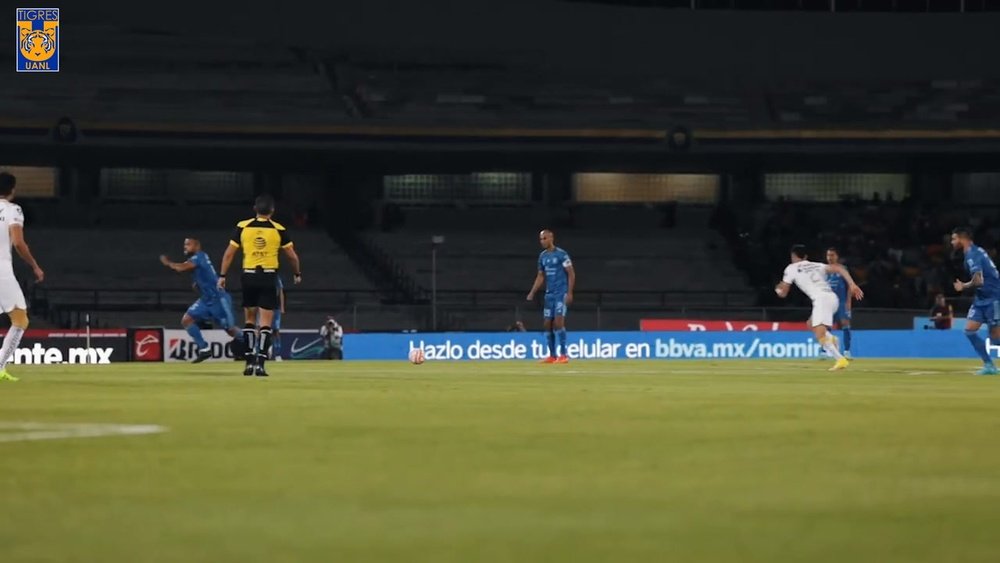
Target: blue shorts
<point x="220" y="311"/>
<point x="555" y="306"/>
<point x="985" y="313"/>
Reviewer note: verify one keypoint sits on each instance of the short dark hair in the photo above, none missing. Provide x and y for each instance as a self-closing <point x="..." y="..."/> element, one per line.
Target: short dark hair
<point x="964" y="232"/>
<point x="7" y="183"/>
<point x="264" y="204"/>
<point x="799" y="250"/>
<point x="833" y="249"/>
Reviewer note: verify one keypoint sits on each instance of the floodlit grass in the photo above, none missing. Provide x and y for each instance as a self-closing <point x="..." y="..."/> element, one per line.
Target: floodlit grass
<point x="594" y="461"/>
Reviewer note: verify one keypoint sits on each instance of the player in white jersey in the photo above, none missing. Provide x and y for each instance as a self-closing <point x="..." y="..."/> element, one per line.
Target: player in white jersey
<point x="810" y="277"/>
<point x="11" y="297"/>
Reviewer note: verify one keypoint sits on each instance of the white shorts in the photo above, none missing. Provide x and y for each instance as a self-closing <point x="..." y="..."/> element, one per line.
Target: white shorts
<point x="824" y="308"/>
<point x="11" y="296"/>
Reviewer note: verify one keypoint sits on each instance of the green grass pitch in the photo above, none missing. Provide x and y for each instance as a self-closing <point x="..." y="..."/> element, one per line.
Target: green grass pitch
<point x="763" y="461"/>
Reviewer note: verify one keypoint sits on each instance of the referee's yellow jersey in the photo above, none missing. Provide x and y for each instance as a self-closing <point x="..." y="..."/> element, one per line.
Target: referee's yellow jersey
<point x="260" y="239"/>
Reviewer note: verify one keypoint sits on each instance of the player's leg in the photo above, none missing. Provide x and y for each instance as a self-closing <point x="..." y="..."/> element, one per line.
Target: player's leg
<point x="223" y="318"/>
<point x="251" y="297"/>
<point x="265" y="340"/>
<point x="197" y="312"/>
<point x="844" y="319"/>
<point x="548" y="315"/>
<point x="822" y="318"/>
<point x="559" y="328"/>
<point x="825" y="337"/>
<point x="993" y="324"/>
<point x="12" y="302"/>
<point x="249" y="336"/>
<point x="976" y="318"/>
<point x="276" y="336"/>
<point x="18" y="324"/>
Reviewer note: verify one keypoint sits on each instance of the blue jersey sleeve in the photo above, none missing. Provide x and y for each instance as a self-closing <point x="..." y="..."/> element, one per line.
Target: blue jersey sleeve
<point x="974" y="263"/>
<point x="541" y="266"/>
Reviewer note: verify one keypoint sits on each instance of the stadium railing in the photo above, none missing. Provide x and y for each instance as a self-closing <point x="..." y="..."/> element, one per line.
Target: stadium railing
<point x="469" y="310"/>
<point x="172" y="298"/>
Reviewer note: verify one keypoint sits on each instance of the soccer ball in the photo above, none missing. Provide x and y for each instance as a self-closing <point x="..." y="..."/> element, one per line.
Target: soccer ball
<point x="417" y="356"/>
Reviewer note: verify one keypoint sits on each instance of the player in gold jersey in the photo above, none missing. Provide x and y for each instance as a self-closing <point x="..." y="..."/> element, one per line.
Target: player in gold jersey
<point x="261" y="239"/>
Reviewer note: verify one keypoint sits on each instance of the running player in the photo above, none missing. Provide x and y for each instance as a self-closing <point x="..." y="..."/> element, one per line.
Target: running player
<point x="213" y="304"/>
<point x="11" y="297"/>
<point x="555" y="271"/>
<point x="261" y="239"/>
<point x="811" y="277"/>
<point x="985" y="308"/>
<point x="839" y="286"/>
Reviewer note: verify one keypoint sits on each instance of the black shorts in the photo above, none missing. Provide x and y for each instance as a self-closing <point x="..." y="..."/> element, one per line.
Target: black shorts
<point x="260" y="290"/>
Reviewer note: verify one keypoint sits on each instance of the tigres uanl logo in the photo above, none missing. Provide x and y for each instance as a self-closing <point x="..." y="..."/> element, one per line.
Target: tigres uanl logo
<point x="38" y="40"/>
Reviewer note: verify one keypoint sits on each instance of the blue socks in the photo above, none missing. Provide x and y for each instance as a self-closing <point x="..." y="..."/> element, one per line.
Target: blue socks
<point x="847" y="339"/>
<point x="195" y="331"/>
<point x="276" y="345"/>
<point x="979" y="345"/>
<point x="552" y="343"/>
<point x="561" y="333"/>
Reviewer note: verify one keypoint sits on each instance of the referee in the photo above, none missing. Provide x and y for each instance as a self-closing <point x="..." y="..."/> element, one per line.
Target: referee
<point x="260" y="239"/>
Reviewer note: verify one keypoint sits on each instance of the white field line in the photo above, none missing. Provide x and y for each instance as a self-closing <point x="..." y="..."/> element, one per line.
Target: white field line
<point x="30" y="431"/>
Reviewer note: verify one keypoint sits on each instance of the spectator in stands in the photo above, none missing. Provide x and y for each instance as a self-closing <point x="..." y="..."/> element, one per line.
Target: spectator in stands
<point x="942" y="313"/>
<point x="517" y="327"/>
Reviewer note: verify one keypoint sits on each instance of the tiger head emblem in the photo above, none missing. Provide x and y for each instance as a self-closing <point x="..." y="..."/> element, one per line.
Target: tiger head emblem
<point x="37" y="44"/>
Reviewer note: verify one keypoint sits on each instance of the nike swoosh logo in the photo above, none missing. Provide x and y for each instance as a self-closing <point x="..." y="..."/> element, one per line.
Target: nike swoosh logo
<point x="295" y="350"/>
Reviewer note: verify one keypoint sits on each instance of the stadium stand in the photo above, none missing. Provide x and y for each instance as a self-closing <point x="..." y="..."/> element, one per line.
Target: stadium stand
<point x="622" y="254"/>
<point x="241" y="83"/>
<point x="216" y="81"/>
<point x="116" y="273"/>
<point x="898" y="251"/>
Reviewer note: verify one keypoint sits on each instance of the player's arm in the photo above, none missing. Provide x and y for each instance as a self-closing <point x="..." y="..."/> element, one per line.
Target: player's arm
<point x="293" y="260"/>
<point x="571" y="277"/>
<point x="852" y="288"/>
<point x="177" y="266"/>
<point x="281" y="300"/>
<point x="227" y="261"/>
<point x="782" y="289"/>
<point x="21" y="246"/>
<point x="230" y="254"/>
<point x="539" y="282"/>
<point x="976" y="281"/>
<point x="288" y="247"/>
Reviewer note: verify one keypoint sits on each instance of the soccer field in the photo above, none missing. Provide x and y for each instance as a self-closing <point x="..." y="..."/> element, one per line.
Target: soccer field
<point x="592" y="461"/>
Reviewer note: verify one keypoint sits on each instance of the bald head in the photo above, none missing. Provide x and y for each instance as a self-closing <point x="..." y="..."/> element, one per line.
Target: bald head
<point x="547" y="239"/>
<point x="191" y="246"/>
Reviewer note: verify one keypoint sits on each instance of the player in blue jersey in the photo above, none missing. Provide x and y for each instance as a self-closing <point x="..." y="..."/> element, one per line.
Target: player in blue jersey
<point x="985" y="308"/>
<point x="839" y="286"/>
<point x="555" y="271"/>
<point x="276" y="322"/>
<point x="213" y="304"/>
